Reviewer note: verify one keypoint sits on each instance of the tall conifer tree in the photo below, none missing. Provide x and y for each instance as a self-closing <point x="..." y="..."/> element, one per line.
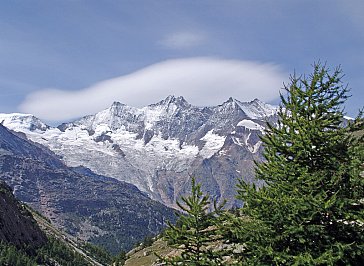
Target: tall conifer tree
<point x="310" y="212"/>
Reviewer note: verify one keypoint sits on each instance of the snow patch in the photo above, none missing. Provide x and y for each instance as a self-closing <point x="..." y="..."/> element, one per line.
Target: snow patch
<point x="214" y="143"/>
<point x="244" y="143"/>
<point x="250" y="125"/>
<point x="102" y="129"/>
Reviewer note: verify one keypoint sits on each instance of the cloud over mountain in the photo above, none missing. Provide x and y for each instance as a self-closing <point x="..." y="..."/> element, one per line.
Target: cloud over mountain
<point x="202" y="81"/>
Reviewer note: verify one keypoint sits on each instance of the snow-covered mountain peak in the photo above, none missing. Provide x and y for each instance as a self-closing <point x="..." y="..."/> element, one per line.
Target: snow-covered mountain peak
<point x="118" y="109"/>
<point x="256" y="100"/>
<point x="22" y="122"/>
<point x="120" y="115"/>
<point x="257" y="109"/>
<point x="115" y="117"/>
<point x="116" y="106"/>
<point x="229" y="105"/>
<point x="172" y="100"/>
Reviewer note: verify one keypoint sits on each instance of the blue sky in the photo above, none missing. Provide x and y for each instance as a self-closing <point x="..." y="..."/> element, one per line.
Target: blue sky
<point x="63" y="59"/>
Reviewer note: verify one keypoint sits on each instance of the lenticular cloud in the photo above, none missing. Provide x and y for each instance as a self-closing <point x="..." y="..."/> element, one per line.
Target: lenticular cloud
<point x="202" y="81"/>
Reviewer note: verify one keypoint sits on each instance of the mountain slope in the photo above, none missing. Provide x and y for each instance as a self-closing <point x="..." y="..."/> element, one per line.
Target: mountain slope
<point x="17" y="226"/>
<point x="92" y="207"/>
<point x="23" y="242"/>
<point x="159" y="146"/>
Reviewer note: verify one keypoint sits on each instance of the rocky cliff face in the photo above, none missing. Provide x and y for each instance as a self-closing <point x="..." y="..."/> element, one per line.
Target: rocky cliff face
<point x="17" y="226"/>
<point x="158" y="147"/>
<point x="92" y="207"/>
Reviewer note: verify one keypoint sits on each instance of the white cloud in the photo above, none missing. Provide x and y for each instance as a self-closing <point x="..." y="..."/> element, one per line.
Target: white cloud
<point x="184" y="40"/>
<point x="202" y="81"/>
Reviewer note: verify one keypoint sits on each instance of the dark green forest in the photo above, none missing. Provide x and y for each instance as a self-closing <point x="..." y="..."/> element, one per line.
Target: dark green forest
<point x="54" y="251"/>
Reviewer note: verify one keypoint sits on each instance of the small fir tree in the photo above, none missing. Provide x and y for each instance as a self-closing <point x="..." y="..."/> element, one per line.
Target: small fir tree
<point x="194" y="234"/>
<point x="310" y="212"/>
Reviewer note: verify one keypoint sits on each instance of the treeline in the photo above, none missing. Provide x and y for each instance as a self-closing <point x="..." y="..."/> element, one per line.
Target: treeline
<point x="55" y="252"/>
<point x="310" y="210"/>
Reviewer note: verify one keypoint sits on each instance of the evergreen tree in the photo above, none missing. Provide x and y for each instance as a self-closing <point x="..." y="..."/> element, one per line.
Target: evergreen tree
<point x="310" y="211"/>
<point x="120" y="259"/>
<point x="194" y="234"/>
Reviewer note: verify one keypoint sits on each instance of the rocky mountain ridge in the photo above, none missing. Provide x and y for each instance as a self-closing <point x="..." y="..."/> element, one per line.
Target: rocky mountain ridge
<point x="158" y="147"/>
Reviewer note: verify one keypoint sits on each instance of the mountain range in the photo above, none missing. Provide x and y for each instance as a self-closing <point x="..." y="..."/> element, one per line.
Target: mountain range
<point x="159" y="147"/>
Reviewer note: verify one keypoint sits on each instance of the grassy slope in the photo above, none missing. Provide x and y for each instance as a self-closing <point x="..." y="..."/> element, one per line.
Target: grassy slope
<point x="146" y="256"/>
